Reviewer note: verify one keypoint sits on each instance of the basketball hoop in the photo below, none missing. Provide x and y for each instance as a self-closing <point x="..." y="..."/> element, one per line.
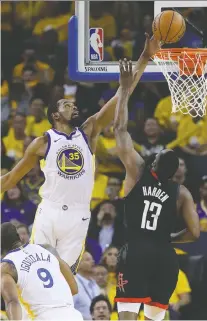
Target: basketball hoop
<point x="185" y="70"/>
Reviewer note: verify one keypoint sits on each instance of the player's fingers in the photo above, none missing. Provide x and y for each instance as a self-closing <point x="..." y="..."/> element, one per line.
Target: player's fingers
<point x="147" y="36"/>
<point x="121" y="67"/>
<point x="130" y="67"/>
<point x="126" y="65"/>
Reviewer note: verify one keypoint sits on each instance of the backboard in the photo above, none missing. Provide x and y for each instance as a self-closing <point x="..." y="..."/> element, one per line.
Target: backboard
<point x="86" y="66"/>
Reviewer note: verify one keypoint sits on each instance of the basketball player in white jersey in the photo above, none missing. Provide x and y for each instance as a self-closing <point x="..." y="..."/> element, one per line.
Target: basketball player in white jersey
<point x="35" y="279"/>
<point x="63" y="216"/>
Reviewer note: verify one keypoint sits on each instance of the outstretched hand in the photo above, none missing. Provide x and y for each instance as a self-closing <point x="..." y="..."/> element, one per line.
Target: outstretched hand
<point x="126" y="76"/>
<point x="151" y="47"/>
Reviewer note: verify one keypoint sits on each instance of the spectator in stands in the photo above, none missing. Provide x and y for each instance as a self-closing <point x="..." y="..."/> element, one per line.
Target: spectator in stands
<point x="164" y="116"/>
<point x="105" y="188"/>
<point x="192" y="135"/>
<point x="99" y="188"/>
<point x="109" y="163"/>
<point x="113" y="188"/>
<point x="31" y="184"/>
<point x="6" y="161"/>
<point x="14" y="141"/>
<point x="23" y="232"/>
<point x="52" y="17"/>
<point x="30" y="57"/>
<point x="100" y="308"/>
<point x="202" y="205"/>
<point x="87" y="286"/>
<point x="146" y="26"/>
<point x="99" y="17"/>
<point x="180" y="297"/>
<point x="101" y="277"/>
<point x="105" y="227"/>
<point x="17" y="208"/>
<point x="37" y="123"/>
<point x="153" y="142"/>
<point x="109" y="259"/>
<point x="180" y="175"/>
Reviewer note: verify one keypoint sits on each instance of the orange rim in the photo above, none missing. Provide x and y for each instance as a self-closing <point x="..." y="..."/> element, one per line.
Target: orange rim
<point x="189" y="55"/>
<point x="177" y="52"/>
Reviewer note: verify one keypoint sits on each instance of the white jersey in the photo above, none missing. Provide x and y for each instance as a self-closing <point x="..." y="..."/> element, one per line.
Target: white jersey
<point x="40" y="282"/>
<point x="68" y="168"/>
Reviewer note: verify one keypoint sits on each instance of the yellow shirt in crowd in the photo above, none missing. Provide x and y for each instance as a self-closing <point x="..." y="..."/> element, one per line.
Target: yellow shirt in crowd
<point x="107" y="23"/>
<point x="59" y="23"/>
<point x="181" y="287"/>
<point x="17" y="72"/>
<point x="187" y="129"/>
<point x="14" y="148"/>
<point x="99" y="190"/>
<point x="4" y="89"/>
<point x="104" y="146"/>
<point x="37" y="129"/>
<point x="163" y="112"/>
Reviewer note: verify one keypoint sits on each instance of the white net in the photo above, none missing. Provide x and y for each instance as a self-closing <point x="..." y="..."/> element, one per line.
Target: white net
<point x="186" y="76"/>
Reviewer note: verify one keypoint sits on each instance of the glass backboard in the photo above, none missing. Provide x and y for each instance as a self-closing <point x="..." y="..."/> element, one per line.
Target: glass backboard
<point x="99" y="22"/>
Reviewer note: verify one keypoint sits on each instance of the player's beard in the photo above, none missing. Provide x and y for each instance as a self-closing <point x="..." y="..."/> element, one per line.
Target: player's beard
<point x="75" y="122"/>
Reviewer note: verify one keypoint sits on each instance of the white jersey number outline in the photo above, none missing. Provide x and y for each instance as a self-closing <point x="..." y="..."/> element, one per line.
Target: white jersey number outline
<point x="150" y="207"/>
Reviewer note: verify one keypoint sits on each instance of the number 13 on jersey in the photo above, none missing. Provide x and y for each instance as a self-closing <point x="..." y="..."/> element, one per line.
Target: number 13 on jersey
<point x="153" y="210"/>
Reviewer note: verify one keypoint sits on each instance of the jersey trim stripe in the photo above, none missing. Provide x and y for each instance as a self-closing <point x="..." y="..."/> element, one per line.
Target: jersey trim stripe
<point x="26" y="306"/>
<point x="159" y="305"/>
<point x="133" y="300"/>
<point x="7" y="261"/>
<point x="65" y="135"/>
<point x="86" y="140"/>
<point x="48" y="144"/>
<point x="18" y="249"/>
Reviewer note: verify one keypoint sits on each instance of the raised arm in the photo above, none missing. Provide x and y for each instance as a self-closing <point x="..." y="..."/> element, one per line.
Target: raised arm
<point x="132" y="161"/>
<point x="190" y="216"/>
<point x="106" y="115"/>
<point x="64" y="268"/>
<point x="35" y="149"/>
<point x="9" y="292"/>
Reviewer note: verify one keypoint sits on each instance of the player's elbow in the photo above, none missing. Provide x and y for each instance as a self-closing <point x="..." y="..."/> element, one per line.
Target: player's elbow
<point x="7" y="182"/>
<point x="195" y="232"/>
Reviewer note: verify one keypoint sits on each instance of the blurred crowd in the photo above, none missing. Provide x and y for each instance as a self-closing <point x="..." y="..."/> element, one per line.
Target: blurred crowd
<point x="35" y="75"/>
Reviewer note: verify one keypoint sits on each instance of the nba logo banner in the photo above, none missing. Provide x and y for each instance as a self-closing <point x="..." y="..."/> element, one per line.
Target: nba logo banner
<point x="96" y="44"/>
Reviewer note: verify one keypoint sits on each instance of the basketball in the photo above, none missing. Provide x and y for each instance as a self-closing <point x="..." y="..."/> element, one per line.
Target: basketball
<point x="168" y="26"/>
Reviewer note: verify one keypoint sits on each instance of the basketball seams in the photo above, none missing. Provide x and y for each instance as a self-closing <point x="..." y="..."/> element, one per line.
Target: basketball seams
<point x="159" y="25"/>
<point x="181" y="35"/>
<point x="169" y="26"/>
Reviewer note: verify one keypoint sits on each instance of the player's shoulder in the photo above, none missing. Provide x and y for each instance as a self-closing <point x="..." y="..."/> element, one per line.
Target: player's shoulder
<point x="37" y="146"/>
<point x="88" y="126"/>
<point x="184" y="193"/>
<point x="8" y="268"/>
<point x="50" y="249"/>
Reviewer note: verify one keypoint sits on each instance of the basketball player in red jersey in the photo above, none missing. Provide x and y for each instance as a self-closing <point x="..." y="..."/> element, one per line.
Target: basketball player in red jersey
<point x="148" y="267"/>
<point x="63" y="216"/>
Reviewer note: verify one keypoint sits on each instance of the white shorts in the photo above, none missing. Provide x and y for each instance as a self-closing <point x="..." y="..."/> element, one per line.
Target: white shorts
<point x="63" y="227"/>
<point x="151" y="312"/>
<point x="64" y="313"/>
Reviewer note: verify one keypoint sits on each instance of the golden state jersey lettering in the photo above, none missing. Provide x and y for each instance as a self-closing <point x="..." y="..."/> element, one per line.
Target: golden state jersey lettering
<point x="70" y="162"/>
<point x="40" y="281"/>
<point x="68" y="168"/>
